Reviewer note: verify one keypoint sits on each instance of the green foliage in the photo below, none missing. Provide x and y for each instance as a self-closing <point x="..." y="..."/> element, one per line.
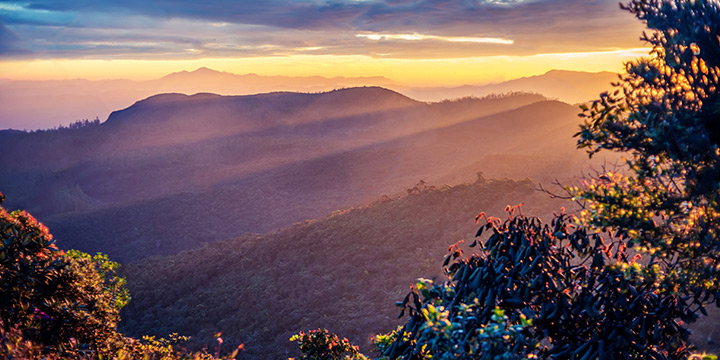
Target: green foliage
<point x="150" y="348"/>
<point x="320" y="344"/>
<point x="664" y="116"/>
<point x="703" y="356"/>
<point x="443" y="338"/>
<point x="383" y="342"/>
<point x="14" y="346"/>
<point x="499" y="336"/>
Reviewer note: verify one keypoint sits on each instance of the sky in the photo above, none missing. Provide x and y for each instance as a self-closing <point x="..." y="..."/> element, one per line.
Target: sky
<point x="416" y="42"/>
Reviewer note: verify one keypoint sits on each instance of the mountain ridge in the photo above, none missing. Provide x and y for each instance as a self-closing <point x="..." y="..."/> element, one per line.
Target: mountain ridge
<point x="205" y="71"/>
<point x="155" y="194"/>
<point x="312" y="160"/>
<point x="46" y="104"/>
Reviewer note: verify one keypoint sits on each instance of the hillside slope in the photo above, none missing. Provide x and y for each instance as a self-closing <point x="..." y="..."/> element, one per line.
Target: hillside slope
<point x="342" y="272"/>
<point x="131" y="186"/>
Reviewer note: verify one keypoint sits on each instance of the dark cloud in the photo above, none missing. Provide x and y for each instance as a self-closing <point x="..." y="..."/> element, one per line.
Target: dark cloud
<point x="277" y="26"/>
<point x="10" y="44"/>
<point x="351" y="14"/>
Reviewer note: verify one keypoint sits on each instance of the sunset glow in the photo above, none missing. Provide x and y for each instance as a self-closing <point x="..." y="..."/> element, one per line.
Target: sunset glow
<point x="413" y="72"/>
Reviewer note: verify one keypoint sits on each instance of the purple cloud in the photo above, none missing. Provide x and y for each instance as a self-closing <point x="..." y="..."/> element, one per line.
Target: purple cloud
<point x="271" y="27"/>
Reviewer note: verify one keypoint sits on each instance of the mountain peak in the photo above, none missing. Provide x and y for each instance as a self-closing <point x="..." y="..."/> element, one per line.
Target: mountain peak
<point x="205" y="70"/>
<point x="201" y="71"/>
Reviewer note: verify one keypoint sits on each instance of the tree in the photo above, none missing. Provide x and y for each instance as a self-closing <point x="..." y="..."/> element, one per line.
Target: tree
<point x="641" y="261"/>
<point x="542" y="290"/>
<point x="57" y="300"/>
<point x="57" y="305"/>
<point x="665" y="115"/>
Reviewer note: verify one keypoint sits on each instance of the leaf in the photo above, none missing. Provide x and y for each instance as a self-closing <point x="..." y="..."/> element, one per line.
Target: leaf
<point x="514" y="303"/>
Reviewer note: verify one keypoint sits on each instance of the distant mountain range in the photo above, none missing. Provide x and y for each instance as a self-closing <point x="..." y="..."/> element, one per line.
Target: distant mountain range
<point x="47" y="104"/>
<point x="174" y="171"/>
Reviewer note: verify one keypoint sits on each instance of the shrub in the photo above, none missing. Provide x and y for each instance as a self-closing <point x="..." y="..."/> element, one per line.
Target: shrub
<point x="61" y="301"/>
<point x="321" y="344"/>
<point x="58" y="305"/>
<point x="566" y="293"/>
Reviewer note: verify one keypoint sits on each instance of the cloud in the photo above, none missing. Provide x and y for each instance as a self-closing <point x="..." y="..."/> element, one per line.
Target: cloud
<point x="10" y="44"/>
<point x="348" y="14"/>
<point x="377" y="28"/>
<point x="420" y="37"/>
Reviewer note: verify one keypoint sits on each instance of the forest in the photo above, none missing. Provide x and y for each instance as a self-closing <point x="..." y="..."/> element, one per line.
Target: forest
<point x="621" y="264"/>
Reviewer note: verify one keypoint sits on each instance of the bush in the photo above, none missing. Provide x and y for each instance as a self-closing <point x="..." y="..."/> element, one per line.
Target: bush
<point x="321" y="344"/>
<point x="58" y="305"/>
<point x="61" y="301"/>
<point x="566" y="293"/>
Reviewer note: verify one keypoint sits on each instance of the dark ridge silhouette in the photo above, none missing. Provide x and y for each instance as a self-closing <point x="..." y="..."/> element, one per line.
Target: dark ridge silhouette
<point x="289" y="100"/>
<point x="169" y="118"/>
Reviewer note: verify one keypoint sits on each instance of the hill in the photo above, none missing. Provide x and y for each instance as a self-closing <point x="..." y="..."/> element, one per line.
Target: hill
<point x="251" y="164"/>
<point x="342" y="272"/>
<point x="45" y="104"/>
